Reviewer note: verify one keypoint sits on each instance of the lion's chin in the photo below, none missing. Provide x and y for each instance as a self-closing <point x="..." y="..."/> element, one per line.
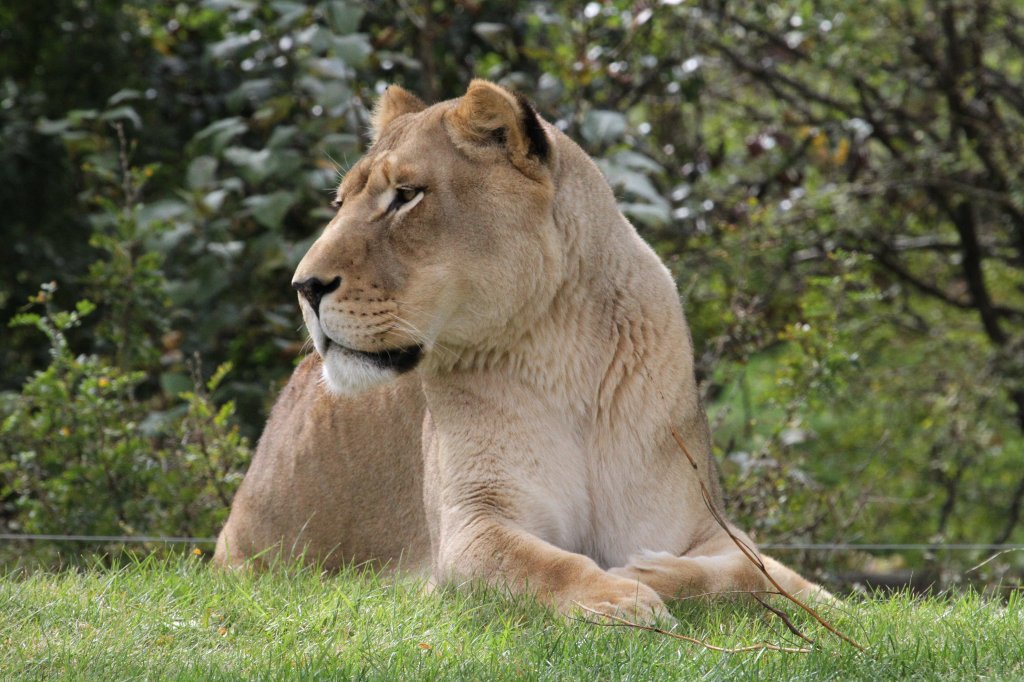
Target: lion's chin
<point x="345" y="374"/>
<point x="347" y="371"/>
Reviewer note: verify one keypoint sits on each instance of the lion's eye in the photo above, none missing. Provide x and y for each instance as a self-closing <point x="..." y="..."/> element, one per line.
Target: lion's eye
<point x="336" y="204"/>
<point x="407" y="194"/>
<point x="403" y="196"/>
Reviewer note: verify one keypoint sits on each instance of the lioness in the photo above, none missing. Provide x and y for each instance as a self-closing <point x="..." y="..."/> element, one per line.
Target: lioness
<point x="478" y="263"/>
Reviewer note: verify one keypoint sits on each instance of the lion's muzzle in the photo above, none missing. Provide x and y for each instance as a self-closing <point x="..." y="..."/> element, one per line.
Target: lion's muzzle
<point x="313" y="290"/>
<point x="399" y="360"/>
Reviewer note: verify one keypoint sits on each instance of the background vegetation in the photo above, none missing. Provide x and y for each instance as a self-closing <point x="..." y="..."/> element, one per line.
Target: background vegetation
<point x="838" y="187"/>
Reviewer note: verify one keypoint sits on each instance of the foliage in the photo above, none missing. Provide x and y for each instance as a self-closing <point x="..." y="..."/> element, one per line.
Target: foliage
<point x="86" y="456"/>
<point x="870" y="135"/>
<point x="824" y="180"/>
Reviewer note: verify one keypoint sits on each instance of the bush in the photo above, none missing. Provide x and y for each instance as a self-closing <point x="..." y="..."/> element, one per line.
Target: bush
<point x="87" y="456"/>
<point x="111" y="441"/>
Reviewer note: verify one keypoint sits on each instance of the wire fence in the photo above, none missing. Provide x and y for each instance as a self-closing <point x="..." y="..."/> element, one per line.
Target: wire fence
<point x="792" y="546"/>
<point x="892" y="546"/>
<point x="163" y="539"/>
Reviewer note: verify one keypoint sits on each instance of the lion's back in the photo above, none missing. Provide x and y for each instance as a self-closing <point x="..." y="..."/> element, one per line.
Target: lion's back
<point x="336" y="478"/>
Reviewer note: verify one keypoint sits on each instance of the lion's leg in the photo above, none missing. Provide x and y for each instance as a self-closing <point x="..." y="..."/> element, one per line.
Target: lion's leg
<point x="503" y="555"/>
<point x="716" y="567"/>
<point x="503" y="481"/>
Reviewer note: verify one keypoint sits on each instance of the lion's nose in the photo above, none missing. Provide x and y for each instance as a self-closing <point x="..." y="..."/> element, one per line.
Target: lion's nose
<point x="313" y="290"/>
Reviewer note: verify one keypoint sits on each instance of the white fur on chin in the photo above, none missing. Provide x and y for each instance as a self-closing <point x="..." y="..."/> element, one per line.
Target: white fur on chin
<point x="344" y="374"/>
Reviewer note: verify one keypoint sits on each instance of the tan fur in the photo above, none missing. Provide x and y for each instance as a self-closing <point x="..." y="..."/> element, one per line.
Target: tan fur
<point x="334" y="479"/>
<point x="395" y="102"/>
<point x="556" y="360"/>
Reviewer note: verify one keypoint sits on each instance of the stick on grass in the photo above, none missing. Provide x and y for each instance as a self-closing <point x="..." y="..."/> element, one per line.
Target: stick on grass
<point x="753" y="555"/>
<point x="618" y="621"/>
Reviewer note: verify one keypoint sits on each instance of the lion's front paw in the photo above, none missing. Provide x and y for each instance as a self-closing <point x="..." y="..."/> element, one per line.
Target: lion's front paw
<point x="668" y="575"/>
<point x="644" y="564"/>
<point x="627" y="599"/>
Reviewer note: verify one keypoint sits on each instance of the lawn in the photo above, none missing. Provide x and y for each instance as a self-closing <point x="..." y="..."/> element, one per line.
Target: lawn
<point x="175" y="618"/>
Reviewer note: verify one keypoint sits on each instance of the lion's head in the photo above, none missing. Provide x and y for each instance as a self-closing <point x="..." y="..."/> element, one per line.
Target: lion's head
<point x="442" y="232"/>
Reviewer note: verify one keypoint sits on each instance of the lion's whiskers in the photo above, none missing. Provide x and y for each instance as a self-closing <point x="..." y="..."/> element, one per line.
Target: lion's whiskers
<point x="339" y="169"/>
<point x="413" y="308"/>
<point x="418" y="336"/>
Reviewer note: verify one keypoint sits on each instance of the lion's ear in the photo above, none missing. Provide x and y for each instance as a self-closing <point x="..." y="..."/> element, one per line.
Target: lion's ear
<point x="488" y="114"/>
<point x="395" y="102"/>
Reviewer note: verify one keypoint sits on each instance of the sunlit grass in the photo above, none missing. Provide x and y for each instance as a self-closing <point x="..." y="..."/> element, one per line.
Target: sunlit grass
<point x="175" y="618"/>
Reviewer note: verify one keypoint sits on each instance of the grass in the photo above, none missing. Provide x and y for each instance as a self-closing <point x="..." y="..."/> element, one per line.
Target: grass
<point x="174" y="618"/>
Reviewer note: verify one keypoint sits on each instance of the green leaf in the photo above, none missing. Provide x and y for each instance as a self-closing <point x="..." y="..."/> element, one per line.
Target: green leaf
<point x="282" y="136"/>
<point x="231" y="45"/>
<point x="25" y="320"/>
<point x="353" y="49"/>
<point x="269" y="209"/>
<point x="175" y="383"/>
<point x="160" y="211"/>
<point x="222" y="132"/>
<point x="85" y="307"/>
<point x="215" y="199"/>
<point x="344" y="17"/>
<point x="123" y="113"/>
<point x="631" y="182"/>
<point x="335" y="94"/>
<point x="290" y="12"/>
<point x="648" y="214"/>
<point x="253" y="164"/>
<point x="78" y="116"/>
<point x="123" y="96"/>
<point x="201" y="172"/>
<point x="637" y="161"/>
<point x="253" y="91"/>
<point x="45" y="126"/>
<point x="330" y="67"/>
<point x="602" y="127"/>
<point x="218" y="376"/>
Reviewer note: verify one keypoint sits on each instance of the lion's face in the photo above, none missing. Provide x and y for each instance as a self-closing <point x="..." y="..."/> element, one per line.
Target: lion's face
<point x="443" y="237"/>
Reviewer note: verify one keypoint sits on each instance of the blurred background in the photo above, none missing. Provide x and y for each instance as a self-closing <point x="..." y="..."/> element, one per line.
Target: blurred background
<point x="837" y="186"/>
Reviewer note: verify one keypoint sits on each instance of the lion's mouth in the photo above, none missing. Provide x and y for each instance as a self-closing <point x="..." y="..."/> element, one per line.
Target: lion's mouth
<point x="397" y="359"/>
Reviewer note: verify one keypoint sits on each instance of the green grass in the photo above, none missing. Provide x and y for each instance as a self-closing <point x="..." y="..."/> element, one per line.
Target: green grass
<point x="175" y="618"/>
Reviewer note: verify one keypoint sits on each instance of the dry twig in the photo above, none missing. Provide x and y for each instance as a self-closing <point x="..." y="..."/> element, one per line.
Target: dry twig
<point x="622" y="622"/>
<point x="991" y="558"/>
<point x="783" y="617"/>
<point x="753" y="555"/>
